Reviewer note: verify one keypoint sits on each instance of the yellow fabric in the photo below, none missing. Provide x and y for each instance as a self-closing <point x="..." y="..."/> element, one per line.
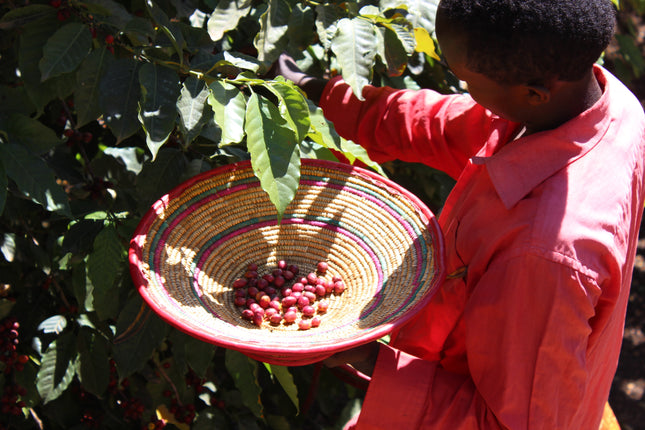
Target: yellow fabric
<point x="609" y="421"/>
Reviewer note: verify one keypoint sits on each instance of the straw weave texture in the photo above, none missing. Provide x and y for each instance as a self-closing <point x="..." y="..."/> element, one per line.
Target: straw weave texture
<point x="198" y="239"/>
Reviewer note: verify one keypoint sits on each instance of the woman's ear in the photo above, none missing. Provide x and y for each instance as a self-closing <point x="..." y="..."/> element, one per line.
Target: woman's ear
<point x="537" y="94"/>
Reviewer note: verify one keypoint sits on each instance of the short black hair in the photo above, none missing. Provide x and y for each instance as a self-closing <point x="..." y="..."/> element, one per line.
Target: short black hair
<point x="531" y="41"/>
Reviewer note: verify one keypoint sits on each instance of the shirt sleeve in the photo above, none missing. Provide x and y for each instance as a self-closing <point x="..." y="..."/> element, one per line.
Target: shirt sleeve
<point x="423" y="126"/>
<point x="527" y="328"/>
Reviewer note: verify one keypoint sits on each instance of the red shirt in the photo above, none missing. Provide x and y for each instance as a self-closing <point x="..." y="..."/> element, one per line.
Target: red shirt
<point x="540" y="235"/>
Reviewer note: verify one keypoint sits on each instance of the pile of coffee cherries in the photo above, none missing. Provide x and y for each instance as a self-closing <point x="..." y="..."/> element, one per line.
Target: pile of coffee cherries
<point x="281" y="296"/>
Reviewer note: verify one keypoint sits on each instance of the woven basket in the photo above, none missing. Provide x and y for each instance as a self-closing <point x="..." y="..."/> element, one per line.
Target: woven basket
<point x="195" y="241"/>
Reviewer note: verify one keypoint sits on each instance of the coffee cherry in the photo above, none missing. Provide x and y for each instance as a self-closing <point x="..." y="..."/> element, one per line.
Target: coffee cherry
<point x="323" y="305"/>
<point x="322" y="267"/>
<point x="275" y="319"/>
<point x="304" y="324"/>
<point x="308" y="311"/>
<point x="279" y="296"/>
<point x="290" y="316"/>
<point x="339" y="287"/>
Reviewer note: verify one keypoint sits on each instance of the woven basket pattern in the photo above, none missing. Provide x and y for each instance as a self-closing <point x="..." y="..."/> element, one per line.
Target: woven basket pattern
<point x="195" y="241"/>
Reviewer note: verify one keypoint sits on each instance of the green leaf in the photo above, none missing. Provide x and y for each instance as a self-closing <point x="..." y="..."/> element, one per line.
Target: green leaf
<point x="323" y="133"/>
<point x="4" y="183"/>
<point x="194" y="112"/>
<point x="103" y="267"/>
<point x="78" y="239"/>
<point x="31" y="133"/>
<point x="158" y="108"/>
<point x="244" y="372"/>
<point x="65" y="50"/>
<point x="159" y="177"/>
<point x="274" y="151"/>
<point x="94" y="369"/>
<point x="327" y="16"/>
<point x="293" y="106"/>
<point x="421" y="13"/>
<point x="87" y="95"/>
<point x="300" y="29"/>
<point x="138" y="332"/>
<point x="394" y="55"/>
<point x="20" y="16"/>
<point x="57" y="369"/>
<point x="284" y="377"/>
<point x="109" y="12"/>
<point x="119" y="95"/>
<point x="355" y="47"/>
<point x="631" y="53"/>
<point x="271" y="40"/>
<point x="229" y="109"/>
<point x="226" y="16"/>
<point x="170" y="30"/>
<point x="34" y="178"/>
<point x="15" y="100"/>
<point x="199" y="355"/>
<point x="30" y="51"/>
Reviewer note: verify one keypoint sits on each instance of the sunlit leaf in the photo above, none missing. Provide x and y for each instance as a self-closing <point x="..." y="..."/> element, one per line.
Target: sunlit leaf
<point x="158" y="108"/>
<point x="229" y="108"/>
<point x="293" y="107"/>
<point x="355" y="46"/>
<point x="271" y="40"/>
<point x="58" y="367"/>
<point x="420" y="13"/>
<point x="274" y="151"/>
<point x="327" y="16"/>
<point x="54" y="324"/>
<point x="425" y="43"/>
<point x="226" y="16"/>
<point x="194" y="111"/>
<point x="65" y="50"/>
<point x="323" y="133"/>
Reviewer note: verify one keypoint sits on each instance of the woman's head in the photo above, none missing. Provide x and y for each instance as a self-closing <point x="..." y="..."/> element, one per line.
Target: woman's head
<point x="529" y="41"/>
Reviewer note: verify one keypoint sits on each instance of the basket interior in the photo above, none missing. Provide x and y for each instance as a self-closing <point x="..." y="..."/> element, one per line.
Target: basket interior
<point x="195" y="242"/>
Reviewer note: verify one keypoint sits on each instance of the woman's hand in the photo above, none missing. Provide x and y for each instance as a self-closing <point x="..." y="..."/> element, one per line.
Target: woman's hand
<point x="362" y="358"/>
<point x="286" y="66"/>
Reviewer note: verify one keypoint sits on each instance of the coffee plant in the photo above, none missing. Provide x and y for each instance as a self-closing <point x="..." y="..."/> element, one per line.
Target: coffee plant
<point x="106" y="105"/>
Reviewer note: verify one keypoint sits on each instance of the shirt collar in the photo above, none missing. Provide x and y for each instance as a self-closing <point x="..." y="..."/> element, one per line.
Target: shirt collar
<point x="519" y="166"/>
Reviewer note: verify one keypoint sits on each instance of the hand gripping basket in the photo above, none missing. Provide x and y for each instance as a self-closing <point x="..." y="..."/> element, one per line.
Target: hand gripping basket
<point x="195" y="241"/>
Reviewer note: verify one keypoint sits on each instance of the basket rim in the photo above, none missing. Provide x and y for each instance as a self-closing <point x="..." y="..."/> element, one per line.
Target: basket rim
<point x="305" y="352"/>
